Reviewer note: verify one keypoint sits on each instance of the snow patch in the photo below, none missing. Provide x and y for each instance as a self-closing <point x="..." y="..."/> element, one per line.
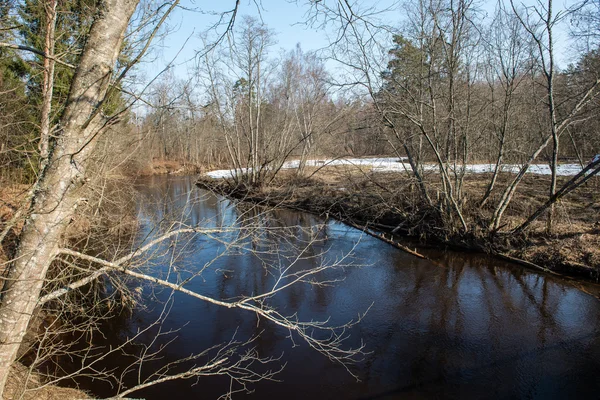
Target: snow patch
<point x="225" y="173"/>
<point x="395" y="164"/>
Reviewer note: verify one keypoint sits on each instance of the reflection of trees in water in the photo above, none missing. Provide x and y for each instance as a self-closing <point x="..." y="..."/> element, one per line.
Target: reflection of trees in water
<point x="468" y="304"/>
<point x="278" y="238"/>
<point x="244" y="265"/>
<point x="512" y="284"/>
<point x="464" y="314"/>
<point x="503" y="287"/>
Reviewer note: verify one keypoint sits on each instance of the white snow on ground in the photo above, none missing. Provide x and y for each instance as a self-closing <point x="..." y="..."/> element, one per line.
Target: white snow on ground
<point x="223" y="173"/>
<point x="539" y="169"/>
<point x="395" y="164"/>
<point x="377" y="163"/>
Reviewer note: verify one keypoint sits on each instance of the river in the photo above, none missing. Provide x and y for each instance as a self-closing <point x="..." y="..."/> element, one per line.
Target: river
<point x="468" y="326"/>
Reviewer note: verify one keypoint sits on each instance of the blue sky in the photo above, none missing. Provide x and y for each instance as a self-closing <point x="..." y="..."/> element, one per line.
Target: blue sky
<point x="284" y="17"/>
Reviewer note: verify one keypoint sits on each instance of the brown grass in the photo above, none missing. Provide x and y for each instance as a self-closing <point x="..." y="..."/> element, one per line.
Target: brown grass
<point x="23" y="384"/>
<point x="387" y="200"/>
<point x="165" y="167"/>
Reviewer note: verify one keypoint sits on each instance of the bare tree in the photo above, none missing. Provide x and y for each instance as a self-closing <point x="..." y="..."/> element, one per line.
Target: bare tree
<point x="259" y="123"/>
<point x="540" y="31"/>
<point x="56" y="192"/>
<point x="427" y="70"/>
<point x="508" y="65"/>
<point x="48" y="84"/>
<point x="59" y="193"/>
<point x="303" y="80"/>
<point x="544" y="41"/>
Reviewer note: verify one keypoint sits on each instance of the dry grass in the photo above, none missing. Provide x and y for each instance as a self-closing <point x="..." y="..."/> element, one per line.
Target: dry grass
<point x="390" y="199"/>
<point x="10" y="198"/>
<point x="165" y="167"/>
<point x="24" y="385"/>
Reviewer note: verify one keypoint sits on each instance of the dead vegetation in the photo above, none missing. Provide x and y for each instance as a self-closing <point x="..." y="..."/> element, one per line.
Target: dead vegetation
<point x="104" y="224"/>
<point x="390" y="202"/>
<point x="166" y="167"/>
<point x="23" y="384"/>
<point x="11" y="197"/>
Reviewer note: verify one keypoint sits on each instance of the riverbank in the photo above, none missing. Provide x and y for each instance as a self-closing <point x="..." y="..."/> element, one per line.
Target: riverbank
<point x="105" y="224"/>
<point x="479" y="317"/>
<point x="386" y="201"/>
<point x="136" y="169"/>
<point x="25" y="384"/>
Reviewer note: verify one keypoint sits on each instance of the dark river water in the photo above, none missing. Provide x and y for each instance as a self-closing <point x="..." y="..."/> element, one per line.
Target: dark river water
<point x="466" y="327"/>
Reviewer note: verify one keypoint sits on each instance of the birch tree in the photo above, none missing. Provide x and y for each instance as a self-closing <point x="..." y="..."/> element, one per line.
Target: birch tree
<point x="56" y="193"/>
<point x="60" y="191"/>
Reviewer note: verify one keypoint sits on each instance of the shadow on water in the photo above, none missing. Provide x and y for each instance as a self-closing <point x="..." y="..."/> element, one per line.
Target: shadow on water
<point x="470" y="327"/>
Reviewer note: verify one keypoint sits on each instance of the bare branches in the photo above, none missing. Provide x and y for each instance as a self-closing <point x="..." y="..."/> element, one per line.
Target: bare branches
<point x="286" y="272"/>
<point x="135" y="61"/>
<point x="230" y="360"/>
<point x="35" y="51"/>
<point x="586" y="173"/>
<point x="331" y="345"/>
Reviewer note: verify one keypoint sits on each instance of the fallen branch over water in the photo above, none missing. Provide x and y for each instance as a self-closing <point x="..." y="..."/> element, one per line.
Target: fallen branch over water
<point x="380" y="236"/>
<point x="369" y="208"/>
<point x="525" y="263"/>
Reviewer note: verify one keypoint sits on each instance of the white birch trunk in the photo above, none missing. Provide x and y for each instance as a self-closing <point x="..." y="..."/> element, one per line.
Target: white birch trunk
<point x="58" y="189"/>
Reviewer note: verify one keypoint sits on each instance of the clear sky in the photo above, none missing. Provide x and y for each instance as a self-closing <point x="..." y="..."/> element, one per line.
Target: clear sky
<point x="284" y="17"/>
<point x="281" y="16"/>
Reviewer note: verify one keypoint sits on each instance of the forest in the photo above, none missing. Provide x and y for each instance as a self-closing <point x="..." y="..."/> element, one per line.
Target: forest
<point x="447" y="123"/>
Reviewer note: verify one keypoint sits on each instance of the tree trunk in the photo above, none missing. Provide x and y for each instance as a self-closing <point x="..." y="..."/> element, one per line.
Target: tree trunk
<point x="510" y="190"/>
<point x="583" y="176"/>
<point x="58" y="190"/>
<point x="552" y="113"/>
<point x="48" y="85"/>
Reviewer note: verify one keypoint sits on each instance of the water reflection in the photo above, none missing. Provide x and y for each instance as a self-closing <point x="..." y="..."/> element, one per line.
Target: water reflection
<point x="467" y="327"/>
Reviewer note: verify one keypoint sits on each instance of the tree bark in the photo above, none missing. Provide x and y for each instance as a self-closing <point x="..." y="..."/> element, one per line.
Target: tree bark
<point x="587" y="173"/>
<point x="552" y="113"/>
<point x="48" y="85"/>
<point x="58" y="190"/>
